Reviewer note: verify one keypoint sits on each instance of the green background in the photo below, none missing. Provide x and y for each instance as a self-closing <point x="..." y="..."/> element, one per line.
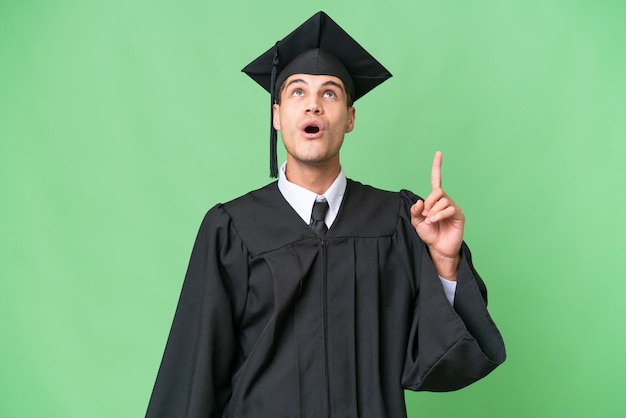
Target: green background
<point x="122" y="122"/>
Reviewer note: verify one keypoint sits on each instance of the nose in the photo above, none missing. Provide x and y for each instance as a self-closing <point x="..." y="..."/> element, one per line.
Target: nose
<point x="314" y="106"/>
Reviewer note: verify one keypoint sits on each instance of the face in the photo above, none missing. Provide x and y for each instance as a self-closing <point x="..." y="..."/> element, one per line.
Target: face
<point x="313" y="117"/>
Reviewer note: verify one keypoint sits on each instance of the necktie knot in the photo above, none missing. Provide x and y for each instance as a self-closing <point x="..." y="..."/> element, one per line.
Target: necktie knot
<point x="318" y="215"/>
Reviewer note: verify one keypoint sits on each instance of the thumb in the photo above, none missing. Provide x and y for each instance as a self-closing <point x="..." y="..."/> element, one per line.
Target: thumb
<point x="416" y="213"/>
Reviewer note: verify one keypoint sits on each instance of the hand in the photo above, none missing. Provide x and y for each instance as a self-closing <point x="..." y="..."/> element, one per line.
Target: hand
<point x="439" y="222"/>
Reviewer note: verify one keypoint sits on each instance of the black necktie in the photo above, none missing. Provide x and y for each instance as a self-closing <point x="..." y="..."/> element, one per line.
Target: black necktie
<point x="317" y="218"/>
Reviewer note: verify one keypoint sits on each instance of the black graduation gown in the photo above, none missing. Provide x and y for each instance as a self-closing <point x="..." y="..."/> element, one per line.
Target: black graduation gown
<point x="274" y="322"/>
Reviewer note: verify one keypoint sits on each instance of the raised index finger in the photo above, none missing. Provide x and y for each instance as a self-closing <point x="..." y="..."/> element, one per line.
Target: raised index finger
<point x="435" y="175"/>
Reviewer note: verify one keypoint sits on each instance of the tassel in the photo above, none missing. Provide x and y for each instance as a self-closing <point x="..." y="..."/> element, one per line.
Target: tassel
<point x="273" y="134"/>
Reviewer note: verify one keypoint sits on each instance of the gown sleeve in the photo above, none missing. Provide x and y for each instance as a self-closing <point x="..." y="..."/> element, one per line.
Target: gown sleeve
<point x="202" y="350"/>
<point x="449" y="347"/>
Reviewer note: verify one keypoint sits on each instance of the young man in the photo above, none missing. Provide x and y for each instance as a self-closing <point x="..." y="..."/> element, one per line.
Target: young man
<point x="317" y="296"/>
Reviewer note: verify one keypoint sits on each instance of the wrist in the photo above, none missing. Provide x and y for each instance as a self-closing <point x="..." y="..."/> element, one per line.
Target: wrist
<point x="447" y="267"/>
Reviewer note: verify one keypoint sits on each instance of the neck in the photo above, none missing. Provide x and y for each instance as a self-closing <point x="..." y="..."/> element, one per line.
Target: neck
<point x="314" y="177"/>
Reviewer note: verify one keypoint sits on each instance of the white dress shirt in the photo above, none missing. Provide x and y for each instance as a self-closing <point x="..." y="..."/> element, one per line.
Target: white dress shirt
<point x="302" y="200"/>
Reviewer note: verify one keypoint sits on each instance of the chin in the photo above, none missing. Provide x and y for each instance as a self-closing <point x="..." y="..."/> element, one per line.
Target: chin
<point x="317" y="160"/>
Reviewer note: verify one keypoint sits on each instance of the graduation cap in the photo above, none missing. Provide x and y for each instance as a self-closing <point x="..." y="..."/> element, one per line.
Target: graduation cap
<point x="319" y="47"/>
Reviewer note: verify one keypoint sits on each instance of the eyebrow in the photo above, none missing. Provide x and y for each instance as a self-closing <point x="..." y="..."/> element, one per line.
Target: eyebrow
<point x="334" y="83"/>
<point x="296" y="80"/>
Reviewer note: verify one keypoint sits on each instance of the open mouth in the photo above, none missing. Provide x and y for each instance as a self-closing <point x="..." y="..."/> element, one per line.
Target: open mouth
<point x="311" y="129"/>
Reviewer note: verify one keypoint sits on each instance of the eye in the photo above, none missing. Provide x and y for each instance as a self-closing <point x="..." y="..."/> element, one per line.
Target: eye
<point x="330" y="94"/>
<point x="297" y="93"/>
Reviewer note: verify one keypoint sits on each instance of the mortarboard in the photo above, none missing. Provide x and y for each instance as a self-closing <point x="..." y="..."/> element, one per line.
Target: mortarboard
<point x="320" y="47"/>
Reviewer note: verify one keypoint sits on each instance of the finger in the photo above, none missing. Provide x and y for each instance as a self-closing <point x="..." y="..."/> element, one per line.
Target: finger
<point x="440" y="205"/>
<point x="417" y="216"/>
<point x="446" y="213"/>
<point x="432" y="199"/>
<point x="435" y="175"/>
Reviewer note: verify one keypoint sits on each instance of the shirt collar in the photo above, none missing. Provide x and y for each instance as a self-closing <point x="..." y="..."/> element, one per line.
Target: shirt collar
<point x="301" y="199"/>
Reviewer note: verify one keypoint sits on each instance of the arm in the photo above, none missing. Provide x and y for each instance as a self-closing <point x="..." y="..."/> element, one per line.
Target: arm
<point x="202" y="349"/>
<point x="449" y="347"/>
<point x="439" y="222"/>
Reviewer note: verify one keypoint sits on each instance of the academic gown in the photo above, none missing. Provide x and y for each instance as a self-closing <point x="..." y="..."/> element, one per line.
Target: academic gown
<point x="274" y="321"/>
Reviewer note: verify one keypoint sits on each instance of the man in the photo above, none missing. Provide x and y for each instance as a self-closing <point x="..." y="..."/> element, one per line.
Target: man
<point x="317" y="296"/>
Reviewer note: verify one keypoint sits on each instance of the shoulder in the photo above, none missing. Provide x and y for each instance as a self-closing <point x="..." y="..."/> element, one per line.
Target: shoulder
<point x="261" y="204"/>
<point x="371" y="211"/>
<point x="360" y="191"/>
<point x="224" y="216"/>
<point x="263" y="220"/>
<point x="266" y="193"/>
<point x="257" y="202"/>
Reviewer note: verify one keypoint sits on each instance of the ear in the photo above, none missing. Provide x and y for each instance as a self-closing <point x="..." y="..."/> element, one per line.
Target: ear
<point x="351" y="118"/>
<point x="276" y="116"/>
